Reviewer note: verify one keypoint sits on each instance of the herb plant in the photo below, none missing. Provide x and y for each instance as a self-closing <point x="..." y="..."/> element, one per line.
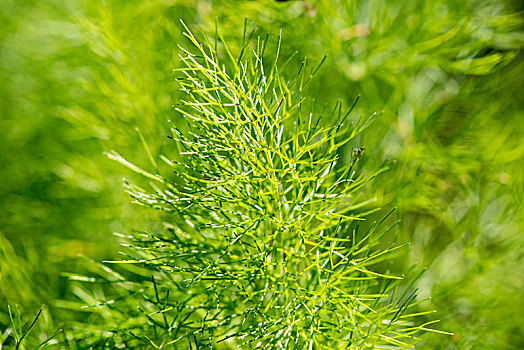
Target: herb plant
<point x="263" y="247"/>
<point x="78" y="76"/>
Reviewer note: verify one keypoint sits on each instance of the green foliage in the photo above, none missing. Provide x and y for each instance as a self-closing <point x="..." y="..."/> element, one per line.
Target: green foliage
<point x="20" y="334"/>
<point x="79" y="76"/>
<point x="16" y="333"/>
<point x="263" y="246"/>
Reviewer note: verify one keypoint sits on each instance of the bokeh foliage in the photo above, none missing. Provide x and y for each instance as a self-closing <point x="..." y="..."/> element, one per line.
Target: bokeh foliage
<point x="79" y="76"/>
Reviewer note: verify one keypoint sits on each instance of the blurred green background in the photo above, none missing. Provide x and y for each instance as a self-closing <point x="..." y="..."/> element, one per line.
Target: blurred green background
<point x="446" y="76"/>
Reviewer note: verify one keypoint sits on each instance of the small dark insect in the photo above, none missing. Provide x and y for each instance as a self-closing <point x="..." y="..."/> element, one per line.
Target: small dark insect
<point x="357" y="152"/>
<point x="282" y="0"/>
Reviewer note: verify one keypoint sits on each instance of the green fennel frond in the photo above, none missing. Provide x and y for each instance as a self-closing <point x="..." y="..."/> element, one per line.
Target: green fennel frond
<point x="264" y="248"/>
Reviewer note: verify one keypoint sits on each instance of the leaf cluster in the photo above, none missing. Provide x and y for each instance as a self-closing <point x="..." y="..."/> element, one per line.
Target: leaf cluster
<point x="264" y="243"/>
